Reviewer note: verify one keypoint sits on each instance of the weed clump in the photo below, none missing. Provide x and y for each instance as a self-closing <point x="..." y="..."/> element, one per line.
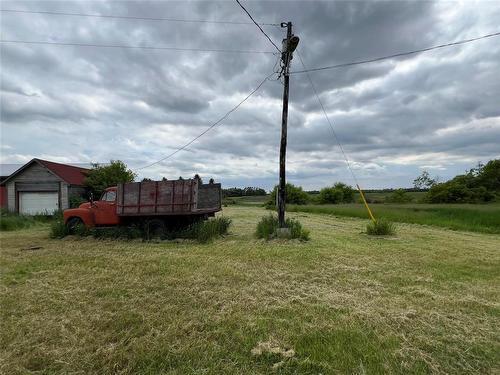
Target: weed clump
<point x="380" y="227"/>
<point x="204" y="231"/>
<point x="268" y="228"/>
<point x="58" y="229"/>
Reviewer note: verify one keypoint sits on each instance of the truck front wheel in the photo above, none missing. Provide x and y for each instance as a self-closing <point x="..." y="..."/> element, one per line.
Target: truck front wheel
<point x="73" y="223"/>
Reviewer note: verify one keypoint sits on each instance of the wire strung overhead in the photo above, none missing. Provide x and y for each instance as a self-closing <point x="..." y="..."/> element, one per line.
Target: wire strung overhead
<point x="133" y="17"/>
<point x="260" y="28"/>
<point x="210" y="127"/>
<point x="327" y="118"/>
<point x="336" y="137"/>
<point x="396" y="54"/>
<point x="134" y="47"/>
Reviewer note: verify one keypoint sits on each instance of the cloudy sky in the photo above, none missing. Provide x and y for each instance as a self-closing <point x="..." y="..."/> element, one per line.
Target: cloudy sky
<point x="438" y="111"/>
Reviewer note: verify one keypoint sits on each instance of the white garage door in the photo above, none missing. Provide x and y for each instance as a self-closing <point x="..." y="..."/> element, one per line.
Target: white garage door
<point x="38" y="203"/>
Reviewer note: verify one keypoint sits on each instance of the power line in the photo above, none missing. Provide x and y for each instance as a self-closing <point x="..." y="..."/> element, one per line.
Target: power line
<point x="396" y="54"/>
<point x="210" y="127"/>
<point x="133" y="17"/>
<point x="328" y="119"/>
<point x="370" y="214"/>
<point x="260" y="28"/>
<point x="133" y="47"/>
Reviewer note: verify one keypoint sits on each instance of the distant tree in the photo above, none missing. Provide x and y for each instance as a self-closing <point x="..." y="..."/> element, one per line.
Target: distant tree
<point x="489" y="175"/>
<point x="247" y="191"/>
<point x="424" y="181"/>
<point x="145" y="179"/>
<point x="330" y="195"/>
<point x="479" y="184"/>
<point x="102" y="176"/>
<point x="294" y="195"/>
<point x="338" y="193"/>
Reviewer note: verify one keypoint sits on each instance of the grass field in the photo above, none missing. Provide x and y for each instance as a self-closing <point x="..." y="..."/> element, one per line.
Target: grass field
<point x="376" y="197"/>
<point x="484" y="218"/>
<point x="466" y="217"/>
<point x="424" y="301"/>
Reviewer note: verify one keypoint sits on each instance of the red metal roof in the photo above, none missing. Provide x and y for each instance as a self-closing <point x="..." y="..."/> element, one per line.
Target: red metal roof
<point x="72" y="175"/>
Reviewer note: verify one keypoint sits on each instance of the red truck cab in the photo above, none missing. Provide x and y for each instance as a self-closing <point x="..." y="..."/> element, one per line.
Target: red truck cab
<point x="94" y="213"/>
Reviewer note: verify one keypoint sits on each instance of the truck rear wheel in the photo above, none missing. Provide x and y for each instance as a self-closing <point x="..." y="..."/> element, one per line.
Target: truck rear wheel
<point x="154" y="228"/>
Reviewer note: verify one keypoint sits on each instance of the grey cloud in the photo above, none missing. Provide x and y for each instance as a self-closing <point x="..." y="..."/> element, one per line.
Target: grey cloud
<point x="103" y="103"/>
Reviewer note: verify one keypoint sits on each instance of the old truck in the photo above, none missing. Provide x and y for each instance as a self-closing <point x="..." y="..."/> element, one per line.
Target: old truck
<point x="154" y="205"/>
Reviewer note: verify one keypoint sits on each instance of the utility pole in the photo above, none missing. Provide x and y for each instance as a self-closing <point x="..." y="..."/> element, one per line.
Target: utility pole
<point x="289" y="45"/>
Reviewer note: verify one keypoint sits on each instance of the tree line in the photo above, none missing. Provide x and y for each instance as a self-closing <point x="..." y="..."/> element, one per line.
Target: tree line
<point x="477" y="185"/>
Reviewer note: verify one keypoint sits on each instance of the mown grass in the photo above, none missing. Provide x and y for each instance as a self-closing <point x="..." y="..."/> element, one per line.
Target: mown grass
<point x="424" y="301"/>
<point x="467" y="217"/>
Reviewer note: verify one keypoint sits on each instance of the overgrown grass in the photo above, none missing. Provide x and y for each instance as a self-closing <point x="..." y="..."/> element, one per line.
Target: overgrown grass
<point x="468" y="217"/>
<point x="208" y="230"/>
<point x="202" y="231"/>
<point x="425" y="302"/>
<point x="268" y="228"/>
<point x="12" y="221"/>
<point x="381" y="227"/>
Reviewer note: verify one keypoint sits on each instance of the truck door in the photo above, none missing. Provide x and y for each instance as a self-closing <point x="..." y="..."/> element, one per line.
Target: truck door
<point x="105" y="209"/>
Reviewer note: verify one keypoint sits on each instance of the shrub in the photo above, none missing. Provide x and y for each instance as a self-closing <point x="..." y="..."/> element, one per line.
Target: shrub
<point x="381" y="227"/>
<point x="294" y="195"/>
<point x="267" y="228"/>
<point x="296" y="230"/>
<point x="58" y="229"/>
<point x="206" y="231"/>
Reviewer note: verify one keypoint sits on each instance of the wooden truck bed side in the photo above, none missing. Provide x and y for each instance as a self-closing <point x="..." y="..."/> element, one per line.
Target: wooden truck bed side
<point x="175" y="197"/>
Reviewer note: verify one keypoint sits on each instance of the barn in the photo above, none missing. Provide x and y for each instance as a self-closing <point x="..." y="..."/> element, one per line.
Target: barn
<point x="42" y="186"/>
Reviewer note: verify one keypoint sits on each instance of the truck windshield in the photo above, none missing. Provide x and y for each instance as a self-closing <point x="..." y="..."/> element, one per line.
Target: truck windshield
<point x="109" y="196"/>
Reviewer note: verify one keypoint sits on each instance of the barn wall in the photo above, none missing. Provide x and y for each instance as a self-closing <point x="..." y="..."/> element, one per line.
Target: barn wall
<point x="36" y="173"/>
<point x="33" y="176"/>
<point x="63" y="196"/>
<point x="11" y="196"/>
<point x="3" y="196"/>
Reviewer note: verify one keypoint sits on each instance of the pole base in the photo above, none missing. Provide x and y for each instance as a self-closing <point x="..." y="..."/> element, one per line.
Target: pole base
<point x="283" y="233"/>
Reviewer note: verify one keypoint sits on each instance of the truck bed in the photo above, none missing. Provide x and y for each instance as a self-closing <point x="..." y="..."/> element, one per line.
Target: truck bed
<point x="173" y="197"/>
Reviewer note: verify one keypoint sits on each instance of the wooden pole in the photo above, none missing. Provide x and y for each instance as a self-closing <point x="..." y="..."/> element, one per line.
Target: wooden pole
<point x="284" y="121"/>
